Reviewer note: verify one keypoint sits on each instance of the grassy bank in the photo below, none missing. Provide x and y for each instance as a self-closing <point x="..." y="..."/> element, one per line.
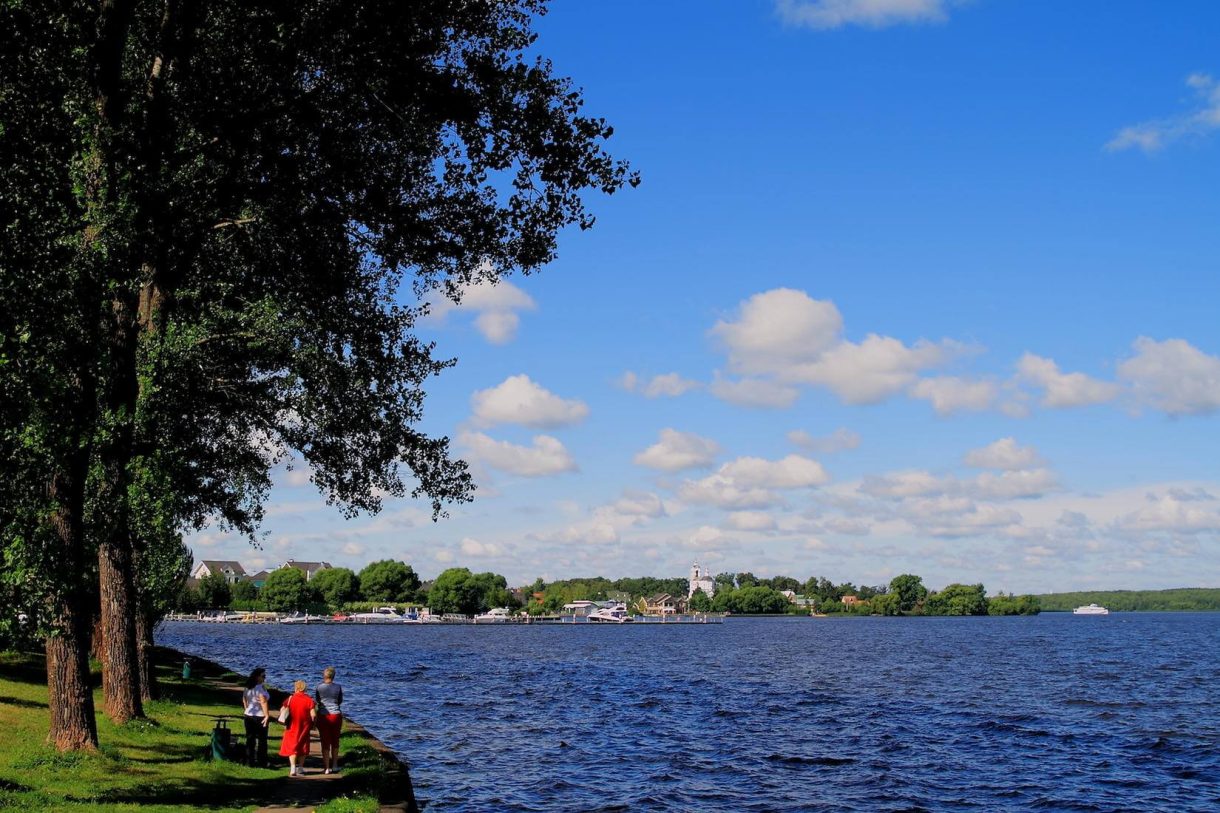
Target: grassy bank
<point x="157" y="764"/>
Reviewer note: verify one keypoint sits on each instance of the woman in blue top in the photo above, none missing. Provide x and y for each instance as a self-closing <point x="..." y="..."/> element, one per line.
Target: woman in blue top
<point x="329" y="696"/>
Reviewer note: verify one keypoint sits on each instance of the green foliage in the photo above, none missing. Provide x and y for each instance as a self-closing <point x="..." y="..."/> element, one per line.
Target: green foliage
<point x="958" y="599"/>
<point x="226" y="219"/>
<point x="287" y="590"/>
<point x="1182" y="598"/>
<point x="753" y="600"/>
<point x="700" y="602"/>
<point x="215" y="592"/>
<point x="1003" y="604"/>
<point x="245" y="592"/>
<point x="388" y="580"/>
<point x="336" y="586"/>
<point x="910" y="591"/>
<point x="886" y="604"/>
<point x="457" y="590"/>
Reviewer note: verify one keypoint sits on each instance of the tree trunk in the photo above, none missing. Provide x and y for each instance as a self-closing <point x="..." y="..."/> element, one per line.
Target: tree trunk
<point x="73" y="725"/>
<point x="144" y="657"/>
<point x="70" y="696"/>
<point x="120" y="673"/>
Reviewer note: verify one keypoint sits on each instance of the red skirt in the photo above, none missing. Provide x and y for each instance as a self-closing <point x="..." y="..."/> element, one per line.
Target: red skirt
<point x="329" y="726"/>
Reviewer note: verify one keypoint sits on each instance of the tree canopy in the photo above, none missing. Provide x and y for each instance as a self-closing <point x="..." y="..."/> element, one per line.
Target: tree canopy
<point x="388" y="580"/>
<point x="227" y="219"/>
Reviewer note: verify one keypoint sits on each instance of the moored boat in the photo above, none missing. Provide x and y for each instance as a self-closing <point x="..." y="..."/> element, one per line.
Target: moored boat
<point x="614" y="614"/>
<point x="496" y="615"/>
<point x="382" y="615"/>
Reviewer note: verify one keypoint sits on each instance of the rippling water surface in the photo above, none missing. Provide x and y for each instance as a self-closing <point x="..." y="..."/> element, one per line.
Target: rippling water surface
<point x="1055" y="712"/>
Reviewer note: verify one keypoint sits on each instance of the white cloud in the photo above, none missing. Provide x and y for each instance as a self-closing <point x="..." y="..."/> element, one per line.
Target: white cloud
<point x="875" y="369"/>
<point x="1153" y="136"/>
<point x="792" y="471"/>
<point x="1004" y="453"/>
<point x="678" y="450"/>
<point x="546" y="455"/>
<point x="722" y="492"/>
<point x="950" y="394"/>
<point x="1063" y="389"/>
<point x="955" y="517"/>
<point x="784" y="337"/>
<point x="1173" y="376"/>
<point x="519" y="400"/>
<point x="1169" y="514"/>
<point x="837" y="441"/>
<point x="750" y="521"/>
<point x="639" y="504"/>
<point x="824" y="14"/>
<point x="667" y="385"/>
<point x="776" y="329"/>
<point x="443" y="556"/>
<point x="1012" y="485"/>
<point x="1007" y="485"/>
<point x="353" y="549"/>
<point x="475" y="548"/>
<point x="759" y="393"/>
<point x="496" y="307"/>
<point x="751" y="482"/>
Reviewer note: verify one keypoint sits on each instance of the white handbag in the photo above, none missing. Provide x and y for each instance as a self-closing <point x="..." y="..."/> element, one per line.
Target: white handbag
<point x="284" y="714"/>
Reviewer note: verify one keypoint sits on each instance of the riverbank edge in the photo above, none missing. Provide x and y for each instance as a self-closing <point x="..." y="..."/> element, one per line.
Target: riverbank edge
<point x="396" y="794"/>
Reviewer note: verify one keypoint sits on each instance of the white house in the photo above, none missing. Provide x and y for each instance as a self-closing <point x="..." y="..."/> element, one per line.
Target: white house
<point x="233" y="572"/>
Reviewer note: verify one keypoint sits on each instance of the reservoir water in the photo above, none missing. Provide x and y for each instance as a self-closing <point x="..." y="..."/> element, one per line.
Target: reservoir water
<point x="1054" y="712"/>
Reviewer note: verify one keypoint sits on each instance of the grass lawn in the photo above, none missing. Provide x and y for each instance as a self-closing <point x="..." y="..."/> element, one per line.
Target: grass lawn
<point x="157" y="764"/>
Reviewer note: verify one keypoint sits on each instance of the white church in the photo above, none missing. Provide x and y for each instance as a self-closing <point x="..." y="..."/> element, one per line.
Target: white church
<point x="701" y="580"/>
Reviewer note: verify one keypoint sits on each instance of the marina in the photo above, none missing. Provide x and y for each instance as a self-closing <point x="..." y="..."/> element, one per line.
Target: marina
<point x="497" y="616"/>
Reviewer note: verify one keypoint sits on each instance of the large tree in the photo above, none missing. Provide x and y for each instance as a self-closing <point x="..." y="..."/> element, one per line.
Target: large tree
<point x="227" y="217"/>
<point x="388" y="580"/>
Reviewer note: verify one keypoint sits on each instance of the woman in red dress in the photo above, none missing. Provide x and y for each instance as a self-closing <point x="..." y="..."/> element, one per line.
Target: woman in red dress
<point x="301" y="714"/>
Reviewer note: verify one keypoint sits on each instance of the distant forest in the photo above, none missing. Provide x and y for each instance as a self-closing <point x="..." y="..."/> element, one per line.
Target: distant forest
<point x="1182" y="598"/>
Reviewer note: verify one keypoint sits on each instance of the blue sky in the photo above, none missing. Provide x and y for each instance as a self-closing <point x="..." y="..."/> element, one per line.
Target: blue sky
<point x="909" y="286"/>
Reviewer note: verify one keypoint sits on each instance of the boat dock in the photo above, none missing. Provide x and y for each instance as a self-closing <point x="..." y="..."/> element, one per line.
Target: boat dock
<point x="448" y="618"/>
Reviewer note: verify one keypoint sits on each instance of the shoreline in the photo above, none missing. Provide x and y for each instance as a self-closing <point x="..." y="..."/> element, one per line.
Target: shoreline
<point x="396" y="793"/>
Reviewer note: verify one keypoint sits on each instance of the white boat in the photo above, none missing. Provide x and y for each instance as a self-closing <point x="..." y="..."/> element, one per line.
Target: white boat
<point x="306" y="618"/>
<point x="614" y="614"/>
<point x="496" y="615"/>
<point x="1092" y="609"/>
<point x="382" y="615"/>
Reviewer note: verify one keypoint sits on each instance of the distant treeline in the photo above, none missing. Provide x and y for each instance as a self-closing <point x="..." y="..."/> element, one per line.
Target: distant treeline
<point x="1181" y="598"/>
<point x="747" y="594"/>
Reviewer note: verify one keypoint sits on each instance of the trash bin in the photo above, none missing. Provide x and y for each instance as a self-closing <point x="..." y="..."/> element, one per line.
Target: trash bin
<point x="186" y="669"/>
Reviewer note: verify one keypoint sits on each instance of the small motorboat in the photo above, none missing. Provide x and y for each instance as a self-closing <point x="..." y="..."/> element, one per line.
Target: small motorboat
<point x="614" y="614"/>
<point x="304" y="618"/>
<point x="382" y="615"/>
<point x="1092" y="609"/>
<point x="496" y="615"/>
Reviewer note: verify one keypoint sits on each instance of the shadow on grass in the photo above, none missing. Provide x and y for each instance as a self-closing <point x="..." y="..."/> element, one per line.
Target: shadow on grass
<point x="165" y="754"/>
<point x="14" y="787"/>
<point x="199" y="792"/>
<point x="17" y="701"/>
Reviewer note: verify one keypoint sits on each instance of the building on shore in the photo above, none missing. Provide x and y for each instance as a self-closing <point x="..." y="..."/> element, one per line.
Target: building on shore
<point x="701" y="580"/>
<point x="232" y="572"/>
